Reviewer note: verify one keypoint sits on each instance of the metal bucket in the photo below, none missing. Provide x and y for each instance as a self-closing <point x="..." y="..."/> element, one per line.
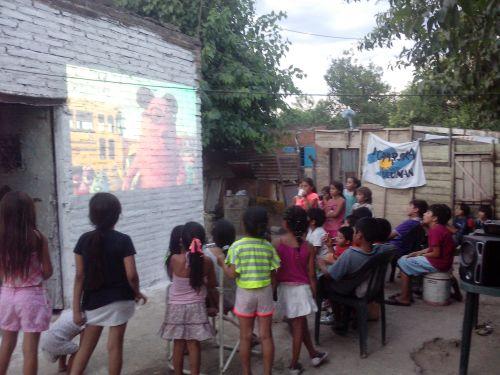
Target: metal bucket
<point x="437" y="288"/>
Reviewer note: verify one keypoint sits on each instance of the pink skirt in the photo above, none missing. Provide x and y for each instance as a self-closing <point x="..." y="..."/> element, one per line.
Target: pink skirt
<point x="186" y="322"/>
<point x="24" y="309"/>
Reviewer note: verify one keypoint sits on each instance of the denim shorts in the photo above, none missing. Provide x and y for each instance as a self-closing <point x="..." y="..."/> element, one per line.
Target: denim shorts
<point x="413" y="266"/>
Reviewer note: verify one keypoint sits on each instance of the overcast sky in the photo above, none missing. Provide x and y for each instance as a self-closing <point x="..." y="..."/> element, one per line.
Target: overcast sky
<point x="313" y="54"/>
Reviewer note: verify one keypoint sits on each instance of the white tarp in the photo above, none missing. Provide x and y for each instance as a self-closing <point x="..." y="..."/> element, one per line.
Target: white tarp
<point x="393" y="165"/>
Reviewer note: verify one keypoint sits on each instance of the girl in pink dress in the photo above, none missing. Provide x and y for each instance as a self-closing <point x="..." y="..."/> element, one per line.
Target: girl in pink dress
<point x="334" y="209"/>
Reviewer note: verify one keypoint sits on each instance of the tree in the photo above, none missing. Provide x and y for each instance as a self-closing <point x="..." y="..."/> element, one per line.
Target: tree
<point x="305" y="112"/>
<point x="455" y="50"/>
<point x="359" y="87"/>
<point x="240" y="57"/>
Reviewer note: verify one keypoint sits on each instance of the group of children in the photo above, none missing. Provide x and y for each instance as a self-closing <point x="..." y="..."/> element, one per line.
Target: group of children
<point x="325" y="238"/>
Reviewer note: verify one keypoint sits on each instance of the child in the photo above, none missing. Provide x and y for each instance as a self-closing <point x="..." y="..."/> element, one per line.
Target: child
<point x="223" y="234"/>
<point x="57" y="342"/>
<point x="484" y="213"/>
<point x="307" y="197"/>
<point x="334" y="209"/>
<point x="24" y="265"/>
<point x="342" y="242"/>
<point x="297" y="284"/>
<point x="324" y="197"/>
<point x="384" y="231"/>
<point x="462" y="224"/>
<point x="186" y="321"/>
<point x="252" y="262"/>
<point x="363" y="198"/>
<point x="316" y="233"/>
<point x="438" y="257"/>
<point x="351" y="184"/>
<point x="106" y="283"/>
<point x="409" y="234"/>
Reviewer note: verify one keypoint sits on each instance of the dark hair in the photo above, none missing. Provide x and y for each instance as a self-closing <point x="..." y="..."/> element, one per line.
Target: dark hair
<point x="368" y="227"/>
<point x="362" y="212"/>
<point x="17" y="237"/>
<point x="255" y="221"/>
<point x="104" y="212"/>
<point x="384" y="229"/>
<point x="339" y="186"/>
<point x="175" y="246"/>
<point x="347" y="232"/>
<point x="420" y="205"/>
<point x="191" y="231"/>
<point x="4" y="190"/>
<point x="318" y="215"/>
<point x="366" y="192"/>
<point x="351" y="220"/>
<point x="487" y="210"/>
<point x="442" y="212"/>
<point x="465" y="208"/>
<point x="310" y="182"/>
<point x="356" y="181"/>
<point x="325" y="190"/>
<point x="296" y="220"/>
<point x="223" y="233"/>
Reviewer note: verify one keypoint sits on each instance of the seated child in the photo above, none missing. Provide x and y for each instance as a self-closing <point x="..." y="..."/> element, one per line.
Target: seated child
<point x="342" y="243"/>
<point x="408" y="235"/>
<point x="384" y="231"/>
<point x="463" y="224"/>
<point x="56" y="343"/>
<point x="438" y="257"/>
<point x="484" y="213"/>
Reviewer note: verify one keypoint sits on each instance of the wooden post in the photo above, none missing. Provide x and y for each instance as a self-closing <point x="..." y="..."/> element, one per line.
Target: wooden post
<point x="494" y="161"/>
<point x="451" y="155"/>
<point x="360" y="155"/>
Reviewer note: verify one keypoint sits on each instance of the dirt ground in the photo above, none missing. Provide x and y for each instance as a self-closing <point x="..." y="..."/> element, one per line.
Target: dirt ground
<point x="421" y="339"/>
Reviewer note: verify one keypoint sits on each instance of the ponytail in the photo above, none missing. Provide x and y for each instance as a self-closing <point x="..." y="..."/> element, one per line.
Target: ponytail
<point x="193" y="239"/>
<point x="296" y="220"/>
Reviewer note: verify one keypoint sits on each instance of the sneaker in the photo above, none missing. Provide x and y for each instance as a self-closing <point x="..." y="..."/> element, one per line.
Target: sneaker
<point x="327" y="320"/>
<point x="318" y="359"/>
<point x="297" y="370"/>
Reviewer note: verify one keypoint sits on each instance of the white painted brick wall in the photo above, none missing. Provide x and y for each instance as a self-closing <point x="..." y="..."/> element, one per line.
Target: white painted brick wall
<point x="36" y="38"/>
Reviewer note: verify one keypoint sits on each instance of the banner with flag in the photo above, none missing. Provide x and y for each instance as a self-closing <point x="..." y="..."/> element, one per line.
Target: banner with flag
<point x="393" y="165"/>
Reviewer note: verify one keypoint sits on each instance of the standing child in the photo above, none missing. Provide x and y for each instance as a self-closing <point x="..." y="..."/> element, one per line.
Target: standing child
<point x="186" y="321"/>
<point x="351" y="184"/>
<point x="324" y="197"/>
<point x="57" y="342"/>
<point x="334" y="209"/>
<point x="174" y="247"/>
<point x="297" y="284"/>
<point x="316" y="234"/>
<point x="24" y="265"/>
<point x="252" y="262"/>
<point x="306" y="197"/>
<point x="106" y="283"/>
<point x="363" y="198"/>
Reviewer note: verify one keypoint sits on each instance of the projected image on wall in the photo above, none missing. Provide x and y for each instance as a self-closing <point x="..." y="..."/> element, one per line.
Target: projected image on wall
<point x="130" y="133"/>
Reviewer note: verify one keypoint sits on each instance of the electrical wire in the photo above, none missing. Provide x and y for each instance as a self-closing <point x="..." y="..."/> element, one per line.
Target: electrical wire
<point x="320" y="35"/>
<point x="244" y="92"/>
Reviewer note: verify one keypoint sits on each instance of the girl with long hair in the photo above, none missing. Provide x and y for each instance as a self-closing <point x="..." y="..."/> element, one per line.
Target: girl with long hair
<point x="334" y="209"/>
<point x="24" y="265"/>
<point x="297" y="284"/>
<point x="307" y="197"/>
<point x="186" y="319"/>
<point x="106" y="283"/>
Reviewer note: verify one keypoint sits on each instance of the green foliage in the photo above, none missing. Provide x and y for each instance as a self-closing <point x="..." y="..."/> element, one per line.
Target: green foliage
<point x="305" y="113"/>
<point x="455" y="51"/>
<point x="240" y="57"/>
<point x="346" y="77"/>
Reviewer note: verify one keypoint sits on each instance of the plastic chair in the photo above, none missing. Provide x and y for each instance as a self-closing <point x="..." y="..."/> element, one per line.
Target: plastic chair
<point x="371" y="275"/>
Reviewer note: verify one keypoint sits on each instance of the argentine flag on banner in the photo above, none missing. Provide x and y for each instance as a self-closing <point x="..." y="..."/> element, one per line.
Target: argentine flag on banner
<point x="393" y="165"/>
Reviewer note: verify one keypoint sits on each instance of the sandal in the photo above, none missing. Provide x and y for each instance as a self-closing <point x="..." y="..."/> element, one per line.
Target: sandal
<point x="484" y="329"/>
<point x="395" y="302"/>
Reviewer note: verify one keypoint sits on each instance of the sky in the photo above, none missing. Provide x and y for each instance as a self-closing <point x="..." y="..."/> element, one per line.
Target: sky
<point x="313" y="54"/>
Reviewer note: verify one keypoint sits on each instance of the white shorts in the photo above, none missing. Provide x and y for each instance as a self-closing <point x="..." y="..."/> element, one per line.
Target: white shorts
<point x="295" y="301"/>
<point x="113" y="314"/>
<point x="53" y="347"/>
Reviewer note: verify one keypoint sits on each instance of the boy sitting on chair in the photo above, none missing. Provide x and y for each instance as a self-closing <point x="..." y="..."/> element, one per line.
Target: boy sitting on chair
<point x="438" y="257"/>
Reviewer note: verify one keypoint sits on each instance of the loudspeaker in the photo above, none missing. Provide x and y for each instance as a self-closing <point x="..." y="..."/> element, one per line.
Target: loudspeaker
<point x="480" y="259"/>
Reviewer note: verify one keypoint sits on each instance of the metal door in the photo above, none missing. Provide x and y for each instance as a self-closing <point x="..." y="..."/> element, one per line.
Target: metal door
<point x="344" y="163"/>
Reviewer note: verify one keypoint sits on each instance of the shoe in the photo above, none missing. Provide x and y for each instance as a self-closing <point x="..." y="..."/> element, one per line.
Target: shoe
<point x="327" y="320"/>
<point x="318" y="359"/>
<point x="297" y="370"/>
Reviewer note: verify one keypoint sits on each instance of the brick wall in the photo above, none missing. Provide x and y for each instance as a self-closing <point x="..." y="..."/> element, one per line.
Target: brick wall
<point x="38" y="40"/>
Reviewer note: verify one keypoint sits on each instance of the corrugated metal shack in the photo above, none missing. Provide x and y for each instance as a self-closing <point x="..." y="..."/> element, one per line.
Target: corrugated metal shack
<point x="461" y="165"/>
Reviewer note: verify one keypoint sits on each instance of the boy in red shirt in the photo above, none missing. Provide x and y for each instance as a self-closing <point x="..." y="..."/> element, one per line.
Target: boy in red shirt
<point x="438" y="257"/>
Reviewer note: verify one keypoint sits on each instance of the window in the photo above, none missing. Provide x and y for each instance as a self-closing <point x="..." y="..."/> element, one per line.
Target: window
<point x="102" y="148"/>
<point x="84" y="121"/>
<point x="111" y="123"/>
<point x="101" y="120"/>
<point x="111" y="149"/>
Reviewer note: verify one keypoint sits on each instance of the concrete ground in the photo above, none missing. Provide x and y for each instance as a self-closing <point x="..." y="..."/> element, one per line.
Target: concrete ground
<point x="421" y="339"/>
